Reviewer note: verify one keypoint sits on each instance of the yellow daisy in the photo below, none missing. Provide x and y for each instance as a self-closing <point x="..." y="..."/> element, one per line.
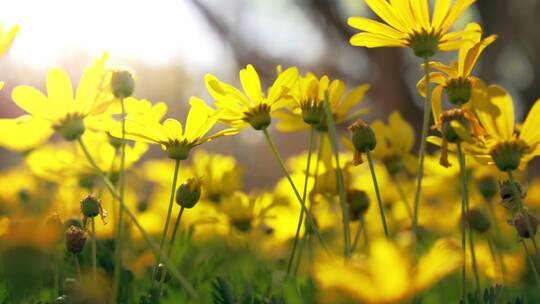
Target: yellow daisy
<point x="341" y="105"/>
<point x="254" y="107"/>
<point x="6" y="38"/>
<point x="387" y="274"/>
<point x="456" y="79"/>
<point x="60" y="110"/>
<point x="170" y="134"/>
<point x="503" y="146"/>
<point x="407" y="24"/>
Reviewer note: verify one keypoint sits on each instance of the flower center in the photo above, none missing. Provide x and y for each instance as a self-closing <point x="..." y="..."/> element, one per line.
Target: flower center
<point x="258" y="117"/>
<point x="507" y="154"/>
<point x="424" y="44"/>
<point x="178" y="150"/>
<point x="71" y="127"/>
<point x="458" y="90"/>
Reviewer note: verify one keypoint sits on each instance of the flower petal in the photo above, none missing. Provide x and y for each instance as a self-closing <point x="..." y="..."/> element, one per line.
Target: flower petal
<point x="530" y="131"/>
<point x="251" y="83"/>
<point x="370" y="40"/>
<point x="375" y="27"/>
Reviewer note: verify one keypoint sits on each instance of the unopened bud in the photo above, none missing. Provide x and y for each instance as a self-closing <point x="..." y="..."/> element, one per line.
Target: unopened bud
<point x="75" y="239"/>
<point x="189" y="193"/>
<point x="507" y="189"/>
<point x="520" y="222"/>
<point x="162" y="271"/>
<point x="477" y="220"/>
<point x="122" y="83"/>
<point x="91" y="206"/>
<point x="488" y="187"/>
<point x="363" y="137"/>
<point x="358" y="203"/>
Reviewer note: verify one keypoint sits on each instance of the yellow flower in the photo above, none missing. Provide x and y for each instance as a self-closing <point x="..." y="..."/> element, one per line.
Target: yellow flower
<point x="170" y="134"/>
<point x="254" y="107"/>
<point x="340" y="105"/>
<point x="407" y="24"/>
<point x="456" y="79"/>
<point x="24" y="132"/>
<point x="60" y="110"/>
<point x="386" y="275"/>
<point x="502" y="146"/>
<point x="220" y="173"/>
<point x="247" y="212"/>
<point x="6" y="38"/>
<point x="394" y="143"/>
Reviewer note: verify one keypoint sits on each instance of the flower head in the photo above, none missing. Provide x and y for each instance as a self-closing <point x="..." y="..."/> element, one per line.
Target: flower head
<point x="254" y="107"/>
<point x="455" y="79"/>
<point x="407" y="24"/>
<point x="503" y="146"/>
<point x="175" y="139"/>
<point x="387" y="275"/>
<point x="60" y="110"/>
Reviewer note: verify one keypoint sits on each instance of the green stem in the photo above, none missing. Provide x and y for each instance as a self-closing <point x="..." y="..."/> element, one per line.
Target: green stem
<point x="377" y="192"/>
<point x="94" y="250"/>
<point x="364" y="229"/>
<point x="56" y="276"/>
<point x="517" y="197"/>
<point x="153" y="246"/>
<point x="120" y="215"/>
<point x="301" y="218"/>
<point x="169" y="213"/>
<point x="303" y="242"/>
<point x="310" y="219"/>
<point x="422" y="152"/>
<point x="496" y="258"/>
<point x="171" y="245"/>
<point x="356" y="236"/>
<point x="402" y="195"/>
<point x="464" y="297"/>
<point x="531" y="263"/>
<point x="77" y="266"/>
<point x="332" y="133"/>
<point x="465" y="195"/>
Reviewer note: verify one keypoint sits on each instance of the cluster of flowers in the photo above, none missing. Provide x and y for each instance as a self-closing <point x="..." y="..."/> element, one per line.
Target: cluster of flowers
<point x="105" y="132"/>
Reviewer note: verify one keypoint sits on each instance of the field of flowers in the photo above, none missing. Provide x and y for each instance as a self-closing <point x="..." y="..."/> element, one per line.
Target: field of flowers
<point x="359" y="217"/>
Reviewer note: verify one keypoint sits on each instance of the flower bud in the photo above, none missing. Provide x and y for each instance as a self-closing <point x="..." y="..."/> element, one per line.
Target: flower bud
<point x="363" y="137"/>
<point x="73" y="221"/>
<point x="75" y="239"/>
<point x="520" y="222"/>
<point x="358" y="203"/>
<point x="393" y="165"/>
<point x="162" y="270"/>
<point x="487" y="186"/>
<point x="477" y="220"/>
<point x="189" y="193"/>
<point x="91" y="206"/>
<point x="122" y="83"/>
<point x="507" y="194"/>
<point x="447" y="129"/>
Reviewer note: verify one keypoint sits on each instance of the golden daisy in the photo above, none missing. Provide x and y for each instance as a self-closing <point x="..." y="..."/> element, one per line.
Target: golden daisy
<point x="254" y="107"/>
<point x="175" y="139"/>
<point x="407" y="24"/>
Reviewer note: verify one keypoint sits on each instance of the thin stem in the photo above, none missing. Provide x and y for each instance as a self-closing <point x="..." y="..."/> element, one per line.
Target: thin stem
<point x="171" y="245"/>
<point x="56" y="276"/>
<point x="169" y="213"/>
<point x="120" y="216"/>
<point x="153" y="246"/>
<point x="402" y="195"/>
<point x="531" y="263"/>
<point x="301" y="218"/>
<point x="77" y="266"/>
<point x="377" y="192"/>
<point x="311" y="221"/>
<point x="463" y="233"/>
<point x="94" y="250"/>
<point x="332" y="133"/>
<point x="497" y="259"/>
<point x="356" y="236"/>
<point x="303" y="242"/>
<point x="465" y="195"/>
<point x="364" y="229"/>
<point x="517" y="197"/>
<point x="422" y="152"/>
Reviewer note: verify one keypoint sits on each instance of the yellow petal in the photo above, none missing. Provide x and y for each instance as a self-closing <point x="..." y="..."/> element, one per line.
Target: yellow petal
<point x="474" y="53"/>
<point x="443" y="258"/>
<point x="387" y="13"/>
<point x="34" y="102"/>
<point x="355" y="96"/>
<point x="24" y="133"/>
<point x="421" y="12"/>
<point x="385" y="258"/>
<point x="461" y="131"/>
<point x="436" y="103"/>
<point x="282" y="85"/>
<point x="454" y="13"/>
<point x="336" y="91"/>
<point x="201" y="118"/>
<point x="530" y="132"/>
<point x="403" y="133"/>
<point x="173" y="129"/>
<point x="224" y="93"/>
<point x="90" y="83"/>
<point x="251" y="84"/>
<point x="370" y="40"/>
<point x="59" y="89"/>
<point x="504" y="122"/>
<point x="375" y="27"/>
<point x="439" y="13"/>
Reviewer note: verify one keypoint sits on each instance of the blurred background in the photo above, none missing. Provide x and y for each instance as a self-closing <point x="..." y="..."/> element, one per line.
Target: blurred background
<point x="171" y="44"/>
